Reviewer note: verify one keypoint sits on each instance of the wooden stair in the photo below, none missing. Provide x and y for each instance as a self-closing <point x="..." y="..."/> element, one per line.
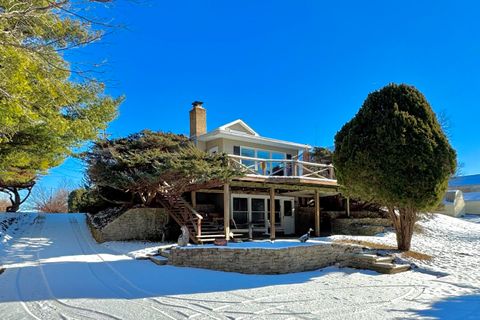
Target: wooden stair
<point x="183" y="214"/>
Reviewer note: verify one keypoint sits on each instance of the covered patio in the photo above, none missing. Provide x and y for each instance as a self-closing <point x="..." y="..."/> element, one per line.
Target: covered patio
<point x="260" y="206"/>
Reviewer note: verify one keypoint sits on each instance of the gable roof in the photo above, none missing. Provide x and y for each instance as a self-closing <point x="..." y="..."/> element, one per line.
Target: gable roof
<point x="238" y="126"/>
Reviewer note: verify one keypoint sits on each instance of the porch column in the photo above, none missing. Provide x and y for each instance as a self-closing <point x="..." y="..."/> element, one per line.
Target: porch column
<point x="272" y="214"/>
<point x="226" y="210"/>
<point x="348" y="206"/>
<point x="317" y="214"/>
<point x="194" y="199"/>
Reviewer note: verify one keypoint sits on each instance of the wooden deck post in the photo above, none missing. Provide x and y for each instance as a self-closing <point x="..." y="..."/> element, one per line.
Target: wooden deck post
<point x="226" y="210"/>
<point x="272" y="214"/>
<point x="348" y="206"/>
<point x="317" y="214"/>
<point x="194" y="199"/>
<point x="331" y="171"/>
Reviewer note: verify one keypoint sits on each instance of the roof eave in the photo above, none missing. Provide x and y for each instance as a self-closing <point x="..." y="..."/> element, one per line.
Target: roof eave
<point x="218" y="133"/>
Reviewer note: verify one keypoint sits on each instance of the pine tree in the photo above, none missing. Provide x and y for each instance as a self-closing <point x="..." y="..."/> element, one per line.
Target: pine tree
<point x="394" y="152"/>
<point x="46" y="107"/>
<point x="135" y="169"/>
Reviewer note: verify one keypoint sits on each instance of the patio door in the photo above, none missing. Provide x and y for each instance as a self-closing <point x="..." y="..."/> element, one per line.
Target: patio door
<point x="278" y="213"/>
<point x="258" y="214"/>
<point x="284" y="215"/>
<point x="288" y="217"/>
<point x="252" y="213"/>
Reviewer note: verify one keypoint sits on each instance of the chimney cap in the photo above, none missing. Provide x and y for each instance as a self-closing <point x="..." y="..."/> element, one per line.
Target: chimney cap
<point x="197" y="104"/>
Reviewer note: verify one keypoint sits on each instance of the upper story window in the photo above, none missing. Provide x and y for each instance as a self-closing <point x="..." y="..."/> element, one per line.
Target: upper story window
<point x="264" y="167"/>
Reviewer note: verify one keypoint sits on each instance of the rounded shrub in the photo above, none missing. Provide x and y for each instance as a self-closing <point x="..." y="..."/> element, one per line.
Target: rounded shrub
<point x="394" y="152"/>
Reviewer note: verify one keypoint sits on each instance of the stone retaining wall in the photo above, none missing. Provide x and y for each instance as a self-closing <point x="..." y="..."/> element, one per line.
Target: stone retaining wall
<point x="305" y="218"/>
<point x="261" y="260"/>
<point x="134" y="224"/>
<point x="360" y="227"/>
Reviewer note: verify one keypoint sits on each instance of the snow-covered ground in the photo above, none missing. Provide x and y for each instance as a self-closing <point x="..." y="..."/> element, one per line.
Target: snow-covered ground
<point x="475" y="218"/>
<point x="136" y="249"/>
<point x="55" y="270"/>
<point x="10" y="223"/>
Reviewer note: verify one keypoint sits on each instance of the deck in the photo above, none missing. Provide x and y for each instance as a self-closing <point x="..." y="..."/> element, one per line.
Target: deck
<point x="284" y="171"/>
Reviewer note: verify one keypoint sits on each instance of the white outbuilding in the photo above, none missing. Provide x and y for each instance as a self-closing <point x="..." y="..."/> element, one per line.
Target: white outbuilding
<point x="470" y="186"/>
<point x="472" y="202"/>
<point x="453" y="203"/>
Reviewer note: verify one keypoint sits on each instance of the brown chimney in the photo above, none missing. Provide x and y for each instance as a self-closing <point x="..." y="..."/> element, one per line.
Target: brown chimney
<point x="198" y="119"/>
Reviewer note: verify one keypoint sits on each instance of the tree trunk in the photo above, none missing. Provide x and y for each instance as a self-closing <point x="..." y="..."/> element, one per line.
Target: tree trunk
<point x="15" y="197"/>
<point x="403" y="222"/>
<point x="15" y="200"/>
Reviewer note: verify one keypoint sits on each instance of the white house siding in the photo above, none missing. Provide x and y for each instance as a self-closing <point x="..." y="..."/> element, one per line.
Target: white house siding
<point x="472" y="202"/>
<point x="454" y="204"/>
<point x="470" y="186"/>
<point x="227" y="146"/>
<point x="472" y="207"/>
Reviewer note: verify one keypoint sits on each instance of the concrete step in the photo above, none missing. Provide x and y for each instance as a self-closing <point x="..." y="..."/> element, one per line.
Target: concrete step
<point x="380" y="267"/>
<point x="159" y="260"/>
<point x="164" y="253"/>
<point x="381" y="264"/>
<point x="143" y="257"/>
<point x="371" y="258"/>
<point x="389" y="268"/>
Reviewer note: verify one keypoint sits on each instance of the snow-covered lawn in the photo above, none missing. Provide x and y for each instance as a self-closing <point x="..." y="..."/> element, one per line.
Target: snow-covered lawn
<point x="453" y="243"/>
<point x="10" y="224"/>
<point x="472" y="218"/>
<point x="56" y="271"/>
<point x="136" y="249"/>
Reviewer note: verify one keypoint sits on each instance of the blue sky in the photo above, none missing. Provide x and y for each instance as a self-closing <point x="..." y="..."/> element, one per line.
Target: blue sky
<point x="293" y="70"/>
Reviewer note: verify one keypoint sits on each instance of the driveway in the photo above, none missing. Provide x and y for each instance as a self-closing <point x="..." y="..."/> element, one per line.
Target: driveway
<point x="55" y="270"/>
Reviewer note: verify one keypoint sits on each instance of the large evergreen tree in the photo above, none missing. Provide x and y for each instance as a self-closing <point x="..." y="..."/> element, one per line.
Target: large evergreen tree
<point x="135" y="169"/>
<point x="394" y="152"/>
<point x="47" y="108"/>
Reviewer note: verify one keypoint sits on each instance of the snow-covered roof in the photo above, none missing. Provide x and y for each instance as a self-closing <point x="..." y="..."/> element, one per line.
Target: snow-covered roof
<point x="464" y="180"/>
<point x="471" y="196"/>
<point x="238" y="130"/>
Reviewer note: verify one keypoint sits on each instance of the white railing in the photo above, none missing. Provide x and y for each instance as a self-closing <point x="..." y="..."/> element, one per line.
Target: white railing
<point x="282" y="167"/>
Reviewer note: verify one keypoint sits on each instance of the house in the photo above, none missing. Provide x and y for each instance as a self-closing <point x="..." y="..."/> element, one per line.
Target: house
<point x="263" y="202"/>
<point x="470" y="186"/>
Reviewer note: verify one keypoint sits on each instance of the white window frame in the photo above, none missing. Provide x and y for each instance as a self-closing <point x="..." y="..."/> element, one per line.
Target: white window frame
<point x="249" y="198"/>
<point x="256" y="150"/>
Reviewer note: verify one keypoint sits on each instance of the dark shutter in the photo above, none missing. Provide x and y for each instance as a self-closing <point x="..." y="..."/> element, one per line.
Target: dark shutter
<point x="236" y="150"/>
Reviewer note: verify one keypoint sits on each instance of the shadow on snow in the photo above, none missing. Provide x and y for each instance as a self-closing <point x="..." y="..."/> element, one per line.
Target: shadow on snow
<point x="133" y="279"/>
<point x="459" y="307"/>
<point x="53" y="265"/>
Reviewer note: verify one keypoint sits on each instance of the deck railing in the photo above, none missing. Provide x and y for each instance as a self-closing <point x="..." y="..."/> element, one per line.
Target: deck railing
<point x="282" y="167"/>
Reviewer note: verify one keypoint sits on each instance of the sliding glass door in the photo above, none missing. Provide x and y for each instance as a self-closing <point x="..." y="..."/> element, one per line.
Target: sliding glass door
<point x="240" y="212"/>
<point x="252" y="213"/>
<point x="258" y="213"/>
